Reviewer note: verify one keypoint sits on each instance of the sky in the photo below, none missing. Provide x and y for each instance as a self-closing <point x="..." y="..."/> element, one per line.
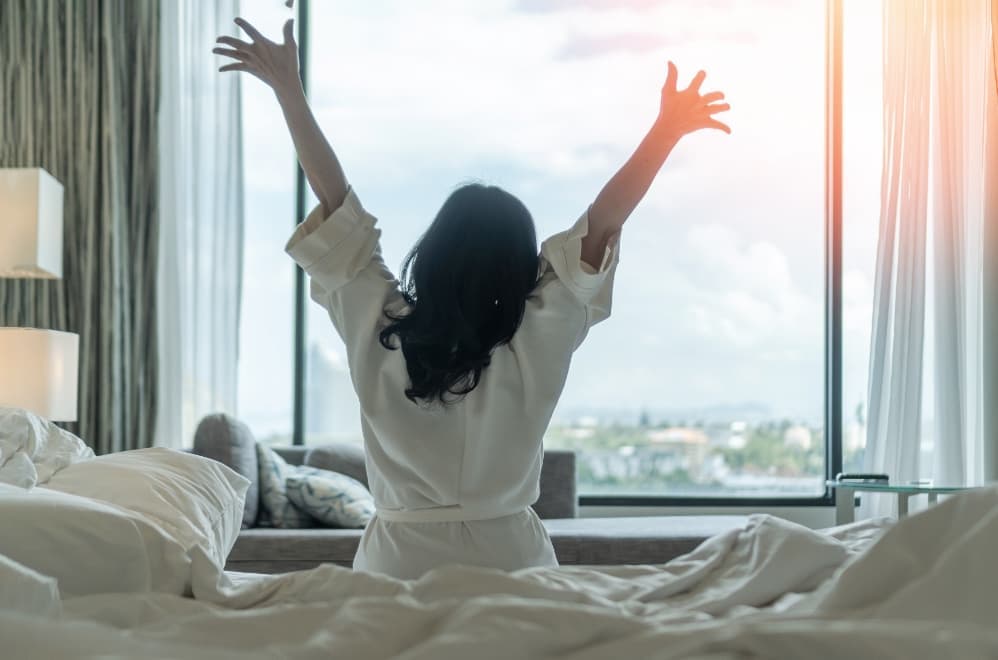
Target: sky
<point x="718" y="300"/>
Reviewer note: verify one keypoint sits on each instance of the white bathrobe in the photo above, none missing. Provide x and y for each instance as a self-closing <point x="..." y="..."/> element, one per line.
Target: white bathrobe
<point x="452" y="485"/>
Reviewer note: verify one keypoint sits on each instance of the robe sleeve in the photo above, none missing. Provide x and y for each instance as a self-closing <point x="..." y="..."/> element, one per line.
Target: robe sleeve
<point x="570" y="297"/>
<point x="592" y="289"/>
<point x="342" y="256"/>
<point x="334" y="249"/>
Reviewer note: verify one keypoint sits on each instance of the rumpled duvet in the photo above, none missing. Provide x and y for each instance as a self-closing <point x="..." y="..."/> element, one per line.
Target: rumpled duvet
<point x="32" y="449"/>
<point x="925" y="587"/>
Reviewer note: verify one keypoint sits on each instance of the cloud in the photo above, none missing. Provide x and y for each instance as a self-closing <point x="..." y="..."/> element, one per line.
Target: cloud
<point x="547" y="6"/>
<point x="642" y="6"/>
<point x="592" y="46"/>
<point x="585" y="46"/>
<point x="747" y="296"/>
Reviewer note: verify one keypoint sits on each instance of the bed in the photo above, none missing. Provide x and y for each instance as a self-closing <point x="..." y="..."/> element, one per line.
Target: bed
<point x="924" y="587"/>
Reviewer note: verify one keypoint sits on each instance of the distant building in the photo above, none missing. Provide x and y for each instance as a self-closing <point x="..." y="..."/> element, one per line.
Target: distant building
<point x="677" y="435"/>
<point x="690" y="443"/>
<point x="798" y="436"/>
<point x="736" y="435"/>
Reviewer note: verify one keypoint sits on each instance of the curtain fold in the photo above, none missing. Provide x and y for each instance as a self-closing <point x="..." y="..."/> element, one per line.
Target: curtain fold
<point x="990" y="307"/>
<point x="935" y="85"/>
<point x="896" y="351"/>
<point x="961" y="75"/>
<point x="79" y="85"/>
<point x="201" y="235"/>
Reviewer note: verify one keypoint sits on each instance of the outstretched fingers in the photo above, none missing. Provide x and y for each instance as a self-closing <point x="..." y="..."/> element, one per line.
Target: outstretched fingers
<point x="250" y="30"/>
<point x="718" y="107"/>
<point x="719" y="125"/>
<point x="289" y="32"/>
<point x="235" y="44"/>
<point x="671" y="78"/>
<point x="228" y="52"/>
<point x="710" y="97"/>
<point x="697" y="81"/>
<point x="237" y="66"/>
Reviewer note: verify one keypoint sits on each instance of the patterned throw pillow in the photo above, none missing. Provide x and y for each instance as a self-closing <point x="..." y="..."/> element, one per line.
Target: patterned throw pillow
<point x="276" y="510"/>
<point x="333" y="498"/>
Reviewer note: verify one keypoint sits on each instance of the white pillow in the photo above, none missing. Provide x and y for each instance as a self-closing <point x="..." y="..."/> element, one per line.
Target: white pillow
<point x="196" y="500"/>
<point x="27" y="591"/>
<point x="32" y="449"/>
<point x="89" y="547"/>
<point x="332" y="498"/>
<point x="276" y="509"/>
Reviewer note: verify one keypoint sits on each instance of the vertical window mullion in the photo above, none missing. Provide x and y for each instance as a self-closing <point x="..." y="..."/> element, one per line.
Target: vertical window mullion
<point x="298" y="431"/>
<point x="833" y="241"/>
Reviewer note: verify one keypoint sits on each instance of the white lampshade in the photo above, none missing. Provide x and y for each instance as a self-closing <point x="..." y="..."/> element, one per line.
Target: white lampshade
<point x="39" y="371"/>
<point x="30" y="224"/>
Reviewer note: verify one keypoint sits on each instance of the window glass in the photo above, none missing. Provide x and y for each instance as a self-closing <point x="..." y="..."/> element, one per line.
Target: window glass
<point x="266" y="340"/>
<point x="862" y="158"/>
<point x="708" y="379"/>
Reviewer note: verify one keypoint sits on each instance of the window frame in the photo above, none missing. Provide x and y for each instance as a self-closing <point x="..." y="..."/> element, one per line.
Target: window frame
<point x="833" y="292"/>
<point x="300" y="329"/>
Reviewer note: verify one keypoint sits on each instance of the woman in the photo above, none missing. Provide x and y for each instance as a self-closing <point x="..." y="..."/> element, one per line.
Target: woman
<point x="459" y="367"/>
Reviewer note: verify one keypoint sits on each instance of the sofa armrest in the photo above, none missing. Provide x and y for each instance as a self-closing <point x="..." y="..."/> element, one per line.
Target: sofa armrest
<point x="558" y="495"/>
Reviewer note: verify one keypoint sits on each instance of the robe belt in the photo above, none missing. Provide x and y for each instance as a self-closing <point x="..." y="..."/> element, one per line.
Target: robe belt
<point x="456" y="513"/>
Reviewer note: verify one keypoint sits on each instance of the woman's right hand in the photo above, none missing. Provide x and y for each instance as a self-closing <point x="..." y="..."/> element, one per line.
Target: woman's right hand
<point x="273" y="63"/>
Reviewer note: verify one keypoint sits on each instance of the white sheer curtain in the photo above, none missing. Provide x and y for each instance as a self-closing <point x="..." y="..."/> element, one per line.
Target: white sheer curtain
<point x="935" y="90"/>
<point x="962" y="49"/>
<point x="990" y="458"/>
<point x="201" y="235"/>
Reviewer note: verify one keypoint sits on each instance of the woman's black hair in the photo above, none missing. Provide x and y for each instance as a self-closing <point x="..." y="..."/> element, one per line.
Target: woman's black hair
<point x="466" y="281"/>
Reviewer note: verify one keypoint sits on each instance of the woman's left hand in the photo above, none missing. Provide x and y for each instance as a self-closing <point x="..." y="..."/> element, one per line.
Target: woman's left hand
<point x="684" y="111"/>
<point x="273" y="63"/>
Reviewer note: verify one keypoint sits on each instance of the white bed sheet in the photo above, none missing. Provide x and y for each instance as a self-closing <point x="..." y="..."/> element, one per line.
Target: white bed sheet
<point x="924" y="588"/>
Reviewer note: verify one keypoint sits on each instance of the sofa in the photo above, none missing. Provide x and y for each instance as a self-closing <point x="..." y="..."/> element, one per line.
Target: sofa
<point x="590" y="541"/>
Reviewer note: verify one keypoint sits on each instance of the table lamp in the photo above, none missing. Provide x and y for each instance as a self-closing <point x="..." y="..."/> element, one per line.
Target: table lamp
<point x="38" y="368"/>
<point x="30" y="224"/>
<point x="39" y="372"/>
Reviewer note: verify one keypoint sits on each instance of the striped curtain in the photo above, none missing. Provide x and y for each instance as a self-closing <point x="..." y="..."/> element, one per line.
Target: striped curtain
<point x="79" y="85"/>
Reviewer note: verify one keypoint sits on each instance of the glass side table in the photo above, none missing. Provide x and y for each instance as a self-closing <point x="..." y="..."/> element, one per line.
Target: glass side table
<point x="845" y="495"/>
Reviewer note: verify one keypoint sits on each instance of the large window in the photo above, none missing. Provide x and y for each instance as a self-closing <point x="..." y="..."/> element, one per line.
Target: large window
<point x="862" y="161"/>
<point x="709" y="378"/>
<point x="266" y="345"/>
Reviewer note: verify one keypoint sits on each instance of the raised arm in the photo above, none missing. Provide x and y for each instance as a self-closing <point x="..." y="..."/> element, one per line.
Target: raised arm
<point x="680" y="113"/>
<point x="277" y="66"/>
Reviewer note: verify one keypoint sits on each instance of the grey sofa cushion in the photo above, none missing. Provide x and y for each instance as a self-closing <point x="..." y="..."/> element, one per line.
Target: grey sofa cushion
<point x="294" y="455"/>
<point x="229" y="441"/>
<point x="558" y="497"/>
<point x="340" y="457"/>
<point x="639" y="540"/>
